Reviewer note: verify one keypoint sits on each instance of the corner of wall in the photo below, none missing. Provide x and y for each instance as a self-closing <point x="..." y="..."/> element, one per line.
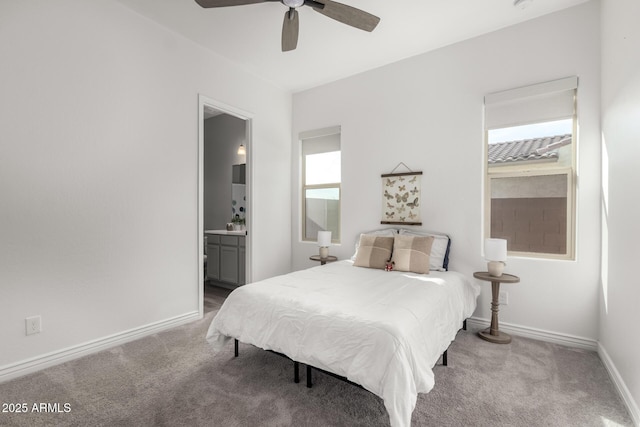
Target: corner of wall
<point x="622" y="388"/>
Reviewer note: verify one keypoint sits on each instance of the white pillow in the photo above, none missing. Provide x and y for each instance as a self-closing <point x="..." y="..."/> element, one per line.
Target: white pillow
<point x="383" y="232"/>
<point x="438" y="248"/>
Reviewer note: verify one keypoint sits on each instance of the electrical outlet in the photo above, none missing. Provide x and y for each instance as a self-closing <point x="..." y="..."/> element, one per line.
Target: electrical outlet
<point x="33" y="325"/>
<point x="503" y="298"/>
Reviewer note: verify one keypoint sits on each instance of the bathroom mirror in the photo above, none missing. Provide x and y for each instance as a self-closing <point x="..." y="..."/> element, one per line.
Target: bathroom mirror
<point x="238" y="195"/>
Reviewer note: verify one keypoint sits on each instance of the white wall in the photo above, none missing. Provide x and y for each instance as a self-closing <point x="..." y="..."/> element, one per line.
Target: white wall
<point x="620" y="293"/>
<point x="98" y="173"/>
<point x="427" y="111"/>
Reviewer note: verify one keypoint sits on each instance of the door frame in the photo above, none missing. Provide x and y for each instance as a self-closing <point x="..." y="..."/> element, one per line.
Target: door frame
<point x="248" y="118"/>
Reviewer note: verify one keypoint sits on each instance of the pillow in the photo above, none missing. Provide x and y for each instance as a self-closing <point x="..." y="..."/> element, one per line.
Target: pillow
<point x="374" y="251"/>
<point x="439" y="257"/>
<point x="412" y="253"/>
<point x="383" y="232"/>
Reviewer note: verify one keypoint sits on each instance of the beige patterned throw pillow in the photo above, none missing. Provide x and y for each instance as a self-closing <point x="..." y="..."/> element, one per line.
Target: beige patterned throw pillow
<point x="373" y="251"/>
<point x="411" y="253"/>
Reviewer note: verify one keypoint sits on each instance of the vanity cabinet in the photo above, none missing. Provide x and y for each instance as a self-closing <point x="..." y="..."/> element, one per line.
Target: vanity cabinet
<point x="226" y="259"/>
<point x="213" y="258"/>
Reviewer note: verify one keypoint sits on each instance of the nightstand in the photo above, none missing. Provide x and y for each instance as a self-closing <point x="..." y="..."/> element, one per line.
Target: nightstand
<point x="493" y="334"/>
<point x="323" y="261"/>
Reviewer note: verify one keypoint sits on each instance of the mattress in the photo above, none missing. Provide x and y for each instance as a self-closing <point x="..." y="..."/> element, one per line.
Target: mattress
<point x="384" y="330"/>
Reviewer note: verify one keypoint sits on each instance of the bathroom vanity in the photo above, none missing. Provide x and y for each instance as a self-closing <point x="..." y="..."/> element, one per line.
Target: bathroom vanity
<point x="226" y="257"/>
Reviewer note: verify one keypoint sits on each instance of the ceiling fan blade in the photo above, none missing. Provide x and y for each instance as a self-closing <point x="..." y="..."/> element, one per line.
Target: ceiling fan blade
<point x="290" y="28"/>
<point x="346" y="14"/>
<point x="224" y="3"/>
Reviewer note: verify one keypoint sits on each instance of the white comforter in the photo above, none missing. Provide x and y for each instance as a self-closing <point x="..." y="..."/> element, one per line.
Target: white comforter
<point x="383" y="330"/>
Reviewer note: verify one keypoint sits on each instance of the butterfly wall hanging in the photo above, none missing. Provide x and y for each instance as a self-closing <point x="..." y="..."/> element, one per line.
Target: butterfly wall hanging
<point x="401" y="197"/>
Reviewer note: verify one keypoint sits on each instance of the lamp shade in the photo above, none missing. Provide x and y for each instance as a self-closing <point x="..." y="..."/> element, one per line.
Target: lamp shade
<point x="495" y="249"/>
<point x="324" y="238"/>
<point x="241" y="150"/>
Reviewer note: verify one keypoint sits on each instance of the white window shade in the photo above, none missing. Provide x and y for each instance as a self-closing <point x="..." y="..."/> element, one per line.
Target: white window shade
<point x="322" y="144"/>
<point x="320" y="141"/>
<point x="530" y="104"/>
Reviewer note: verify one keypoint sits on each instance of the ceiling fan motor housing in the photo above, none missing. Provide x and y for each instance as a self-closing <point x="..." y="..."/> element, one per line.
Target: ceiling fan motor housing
<point x="293" y="3"/>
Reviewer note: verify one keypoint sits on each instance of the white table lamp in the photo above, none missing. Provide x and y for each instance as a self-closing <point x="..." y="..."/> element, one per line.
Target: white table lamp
<point x="495" y="252"/>
<point x="324" y="241"/>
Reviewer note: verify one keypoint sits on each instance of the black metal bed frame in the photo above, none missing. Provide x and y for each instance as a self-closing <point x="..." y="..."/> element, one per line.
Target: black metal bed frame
<point x="296" y="365"/>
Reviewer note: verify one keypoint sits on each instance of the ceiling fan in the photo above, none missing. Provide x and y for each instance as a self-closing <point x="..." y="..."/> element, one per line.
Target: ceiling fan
<point x="340" y="12"/>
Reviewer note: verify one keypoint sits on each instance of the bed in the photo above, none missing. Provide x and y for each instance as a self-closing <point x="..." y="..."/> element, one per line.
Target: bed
<point x="383" y="330"/>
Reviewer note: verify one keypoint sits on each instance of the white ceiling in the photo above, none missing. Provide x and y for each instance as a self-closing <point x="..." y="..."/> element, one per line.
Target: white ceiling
<point x="327" y="50"/>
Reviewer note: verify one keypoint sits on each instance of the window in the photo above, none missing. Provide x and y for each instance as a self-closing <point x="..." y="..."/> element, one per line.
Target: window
<point x="531" y="161"/>
<point x="321" y="175"/>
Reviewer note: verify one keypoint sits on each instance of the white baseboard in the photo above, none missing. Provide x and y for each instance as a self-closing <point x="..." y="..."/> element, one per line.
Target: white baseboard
<point x="620" y="385"/>
<point x="24" y="367"/>
<point x="538" y="334"/>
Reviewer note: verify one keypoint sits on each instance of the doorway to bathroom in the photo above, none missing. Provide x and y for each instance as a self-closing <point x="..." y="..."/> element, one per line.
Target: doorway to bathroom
<point x="224" y="222"/>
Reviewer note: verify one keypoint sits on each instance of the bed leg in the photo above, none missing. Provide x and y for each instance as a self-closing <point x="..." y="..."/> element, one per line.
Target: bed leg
<point x="296" y="372"/>
<point x="309" y="382"/>
<point x="464" y="324"/>
<point x="444" y="358"/>
<point x="235" y="348"/>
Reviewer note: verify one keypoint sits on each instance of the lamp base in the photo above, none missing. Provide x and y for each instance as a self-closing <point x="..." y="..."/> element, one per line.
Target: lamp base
<point x="324" y="251"/>
<point x="495" y="268"/>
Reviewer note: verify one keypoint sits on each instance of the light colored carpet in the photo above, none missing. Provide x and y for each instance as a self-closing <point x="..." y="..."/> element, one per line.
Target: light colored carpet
<point x="173" y="379"/>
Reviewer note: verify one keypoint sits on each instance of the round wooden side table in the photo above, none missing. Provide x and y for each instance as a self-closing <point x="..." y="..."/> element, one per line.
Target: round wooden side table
<point x="493" y="334"/>
<point x="323" y="261"/>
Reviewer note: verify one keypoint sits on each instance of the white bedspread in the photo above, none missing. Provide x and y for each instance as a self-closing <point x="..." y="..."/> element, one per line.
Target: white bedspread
<point x="383" y="330"/>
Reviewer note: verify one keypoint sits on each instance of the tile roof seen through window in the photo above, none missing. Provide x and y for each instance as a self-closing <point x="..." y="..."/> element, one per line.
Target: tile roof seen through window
<point x="536" y="149"/>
